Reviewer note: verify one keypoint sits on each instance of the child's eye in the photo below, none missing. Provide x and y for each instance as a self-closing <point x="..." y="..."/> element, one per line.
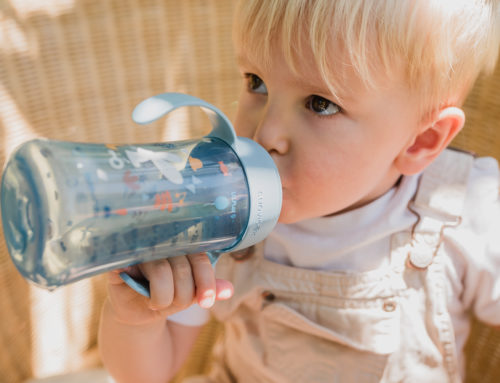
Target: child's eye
<point x="322" y="106"/>
<point x="255" y="84"/>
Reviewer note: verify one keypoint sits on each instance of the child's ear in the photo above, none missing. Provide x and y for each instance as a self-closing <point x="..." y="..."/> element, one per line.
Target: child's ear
<point x="430" y="141"/>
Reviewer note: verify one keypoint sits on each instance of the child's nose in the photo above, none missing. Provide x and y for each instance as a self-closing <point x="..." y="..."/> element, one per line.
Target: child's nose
<point x="272" y="132"/>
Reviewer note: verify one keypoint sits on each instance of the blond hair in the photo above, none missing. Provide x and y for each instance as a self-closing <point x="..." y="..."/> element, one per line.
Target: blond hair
<point x="443" y="45"/>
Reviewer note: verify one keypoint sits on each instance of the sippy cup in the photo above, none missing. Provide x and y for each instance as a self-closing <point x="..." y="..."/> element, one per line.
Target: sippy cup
<point x="73" y="210"/>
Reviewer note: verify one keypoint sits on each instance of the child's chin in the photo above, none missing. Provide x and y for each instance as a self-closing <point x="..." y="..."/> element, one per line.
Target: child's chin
<point x="288" y="217"/>
<point x="283" y="218"/>
<point x="293" y="212"/>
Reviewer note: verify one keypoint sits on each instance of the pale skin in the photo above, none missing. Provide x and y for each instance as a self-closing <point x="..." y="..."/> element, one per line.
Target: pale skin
<point x="332" y="156"/>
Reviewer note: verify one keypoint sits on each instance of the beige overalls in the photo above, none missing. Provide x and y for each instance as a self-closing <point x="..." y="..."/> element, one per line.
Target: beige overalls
<point x="286" y="324"/>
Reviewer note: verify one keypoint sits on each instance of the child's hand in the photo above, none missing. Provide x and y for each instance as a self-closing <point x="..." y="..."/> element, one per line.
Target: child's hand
<point x="175" y="284"/>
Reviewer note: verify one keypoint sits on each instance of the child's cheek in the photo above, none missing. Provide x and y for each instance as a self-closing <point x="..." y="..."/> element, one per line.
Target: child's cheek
<point x="244" y="124"/>
<point x="251" y="109"/>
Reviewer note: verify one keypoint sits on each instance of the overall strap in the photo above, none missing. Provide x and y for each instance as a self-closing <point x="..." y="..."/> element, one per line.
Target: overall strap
<point x="438" y="204"/>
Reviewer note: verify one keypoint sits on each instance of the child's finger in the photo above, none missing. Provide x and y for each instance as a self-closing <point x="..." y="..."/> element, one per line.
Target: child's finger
<point x="161" y="284"/>
<point x="184" y="289"/>
<point x="204" y="278"/>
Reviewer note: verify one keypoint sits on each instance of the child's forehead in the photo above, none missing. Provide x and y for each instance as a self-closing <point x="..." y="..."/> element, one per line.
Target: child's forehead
<point x="339" y="78"/>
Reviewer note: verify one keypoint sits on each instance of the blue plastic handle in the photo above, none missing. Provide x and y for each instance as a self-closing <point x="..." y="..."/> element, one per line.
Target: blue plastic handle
<point x="155" y="107"/>
<point x="141" y="286"/>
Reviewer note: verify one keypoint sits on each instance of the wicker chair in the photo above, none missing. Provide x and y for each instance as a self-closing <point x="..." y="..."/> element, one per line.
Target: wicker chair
<point x="74" y="70"/>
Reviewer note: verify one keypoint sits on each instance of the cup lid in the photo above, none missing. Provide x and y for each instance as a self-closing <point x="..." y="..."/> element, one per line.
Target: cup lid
<point x="265" y="192"/>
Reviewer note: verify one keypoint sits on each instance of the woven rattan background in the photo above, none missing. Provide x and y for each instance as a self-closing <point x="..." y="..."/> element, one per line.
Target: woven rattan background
<point x="74" y="70"/>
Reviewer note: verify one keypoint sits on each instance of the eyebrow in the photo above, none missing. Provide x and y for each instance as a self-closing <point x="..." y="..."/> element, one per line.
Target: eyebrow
<point x="312" y="88"/>
<point x="243" y="60"/>
<point x="322" y="91"/>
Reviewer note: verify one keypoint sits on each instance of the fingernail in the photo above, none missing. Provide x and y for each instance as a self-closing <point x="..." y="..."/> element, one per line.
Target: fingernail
<point x="225" y="294"/>
<point x="208" y="301"/>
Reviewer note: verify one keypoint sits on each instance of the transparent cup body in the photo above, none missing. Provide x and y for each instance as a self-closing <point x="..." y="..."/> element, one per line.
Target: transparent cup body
<point x="73" y="210"/>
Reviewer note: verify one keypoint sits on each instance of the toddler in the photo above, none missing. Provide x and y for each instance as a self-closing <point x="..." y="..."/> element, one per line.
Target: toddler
<point x="387" y="239"/>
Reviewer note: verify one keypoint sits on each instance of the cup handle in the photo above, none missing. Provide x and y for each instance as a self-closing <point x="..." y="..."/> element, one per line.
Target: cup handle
<point x="155" y="107"/>
<point x="142" y="285"/>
